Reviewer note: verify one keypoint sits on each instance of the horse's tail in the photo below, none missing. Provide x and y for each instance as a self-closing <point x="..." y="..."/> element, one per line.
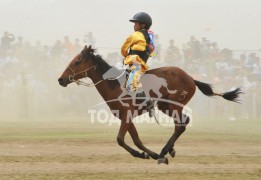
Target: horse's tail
<point x="207" y="90"/>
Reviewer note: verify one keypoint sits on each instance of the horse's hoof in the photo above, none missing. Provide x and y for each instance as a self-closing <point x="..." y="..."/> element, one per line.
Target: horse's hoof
<point x="146" y="155"/>
<point x="172" y="153"/>
<point x="163" y="160"/>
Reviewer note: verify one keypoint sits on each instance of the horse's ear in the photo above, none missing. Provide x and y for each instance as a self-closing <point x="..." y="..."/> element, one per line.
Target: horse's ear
<point x="89" y="49"/>
<point x="85" y="47"/>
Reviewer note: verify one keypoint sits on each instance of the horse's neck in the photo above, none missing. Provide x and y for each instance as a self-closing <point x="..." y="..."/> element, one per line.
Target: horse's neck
<point x="104" y="86"/>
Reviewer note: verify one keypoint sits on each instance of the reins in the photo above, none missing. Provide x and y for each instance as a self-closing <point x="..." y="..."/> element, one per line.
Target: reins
<point x="85" y="72"/>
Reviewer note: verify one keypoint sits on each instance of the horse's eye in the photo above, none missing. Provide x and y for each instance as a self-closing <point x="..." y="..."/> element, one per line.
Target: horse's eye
<point x="77" y="62"/>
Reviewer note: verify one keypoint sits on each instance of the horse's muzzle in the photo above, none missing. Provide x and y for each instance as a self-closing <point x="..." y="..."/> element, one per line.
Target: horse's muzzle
<point x="63" y="82"/>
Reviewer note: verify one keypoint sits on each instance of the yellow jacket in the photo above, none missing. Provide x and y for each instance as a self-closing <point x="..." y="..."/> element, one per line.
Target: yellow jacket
<point x="136" y="41"/>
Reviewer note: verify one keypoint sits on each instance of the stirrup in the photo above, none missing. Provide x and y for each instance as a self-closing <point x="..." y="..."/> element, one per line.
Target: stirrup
<point x="150" y="104"/>
<point x="152" y="112"/>
<point x="150" y="107"/>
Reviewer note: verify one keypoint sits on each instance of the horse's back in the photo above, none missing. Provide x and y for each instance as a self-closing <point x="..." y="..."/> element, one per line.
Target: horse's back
<point x="172" y="73"/>
<point x="177" y="79"/>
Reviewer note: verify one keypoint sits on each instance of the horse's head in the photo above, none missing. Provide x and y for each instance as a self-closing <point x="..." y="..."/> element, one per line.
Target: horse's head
<point x="78" y="67"/>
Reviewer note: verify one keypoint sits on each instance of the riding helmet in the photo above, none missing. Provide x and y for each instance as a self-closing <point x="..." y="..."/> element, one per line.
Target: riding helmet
<point x="142" y="17"/>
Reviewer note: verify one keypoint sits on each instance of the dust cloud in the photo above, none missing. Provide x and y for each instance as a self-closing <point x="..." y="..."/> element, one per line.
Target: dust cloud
<point x="214" y="41"/>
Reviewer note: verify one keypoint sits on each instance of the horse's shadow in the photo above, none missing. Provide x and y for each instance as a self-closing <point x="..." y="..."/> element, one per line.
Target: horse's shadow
<point x="150" y="82"/>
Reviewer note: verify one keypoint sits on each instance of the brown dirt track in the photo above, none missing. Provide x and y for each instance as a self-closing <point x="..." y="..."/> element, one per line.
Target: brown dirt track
<point x="76" y="149"/>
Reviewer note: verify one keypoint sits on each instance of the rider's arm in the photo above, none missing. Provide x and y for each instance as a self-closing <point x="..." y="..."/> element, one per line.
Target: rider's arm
<point x="136" y="41"/>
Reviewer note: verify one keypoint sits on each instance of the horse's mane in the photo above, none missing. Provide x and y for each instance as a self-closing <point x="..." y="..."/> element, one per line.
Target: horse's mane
<point x="103" y="67"/>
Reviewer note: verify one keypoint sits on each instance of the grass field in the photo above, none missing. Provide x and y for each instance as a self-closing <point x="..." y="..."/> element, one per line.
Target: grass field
<point x="77" y="149"/>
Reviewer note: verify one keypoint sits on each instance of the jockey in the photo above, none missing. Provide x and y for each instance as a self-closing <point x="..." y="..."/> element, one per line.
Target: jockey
<point x="136" y="50"/>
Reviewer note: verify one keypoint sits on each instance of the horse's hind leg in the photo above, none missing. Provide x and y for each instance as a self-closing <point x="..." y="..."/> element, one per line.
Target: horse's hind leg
<point x="180" y="126"/>
<point x="120" y="139"/>
<point x="135" y="137"/>
<point x="179" y="129"/>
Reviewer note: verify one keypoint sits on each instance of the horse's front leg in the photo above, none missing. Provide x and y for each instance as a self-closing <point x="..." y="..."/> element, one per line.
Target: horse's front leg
<point x="135" y="137"/>
<point x="120" y="139"/>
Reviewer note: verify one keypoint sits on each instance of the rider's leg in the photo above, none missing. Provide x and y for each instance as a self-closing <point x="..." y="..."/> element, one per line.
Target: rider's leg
<point x="130" y="83"/>
<point x="133" y="84"/>
<point x="136" y="79"/>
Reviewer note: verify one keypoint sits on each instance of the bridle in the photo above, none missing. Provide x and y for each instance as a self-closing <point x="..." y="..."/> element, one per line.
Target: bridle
<point x="85" y="73"/>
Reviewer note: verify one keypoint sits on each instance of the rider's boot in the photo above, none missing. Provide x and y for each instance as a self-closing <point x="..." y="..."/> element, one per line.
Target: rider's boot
<point x="149" y="102"/>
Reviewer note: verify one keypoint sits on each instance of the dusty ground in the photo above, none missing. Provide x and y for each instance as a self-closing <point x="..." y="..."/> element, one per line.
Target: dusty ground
<point x="77" y="149"/>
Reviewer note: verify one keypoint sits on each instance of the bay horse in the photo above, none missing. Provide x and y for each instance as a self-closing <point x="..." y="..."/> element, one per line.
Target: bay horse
<point x="88" y="64"/>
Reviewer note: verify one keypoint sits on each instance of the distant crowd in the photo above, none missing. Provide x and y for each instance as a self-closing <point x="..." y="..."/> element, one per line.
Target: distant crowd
<point x="29" y="72"/>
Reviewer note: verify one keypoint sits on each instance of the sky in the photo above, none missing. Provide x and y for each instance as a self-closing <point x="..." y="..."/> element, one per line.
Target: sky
<point x="233" y="24"/>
